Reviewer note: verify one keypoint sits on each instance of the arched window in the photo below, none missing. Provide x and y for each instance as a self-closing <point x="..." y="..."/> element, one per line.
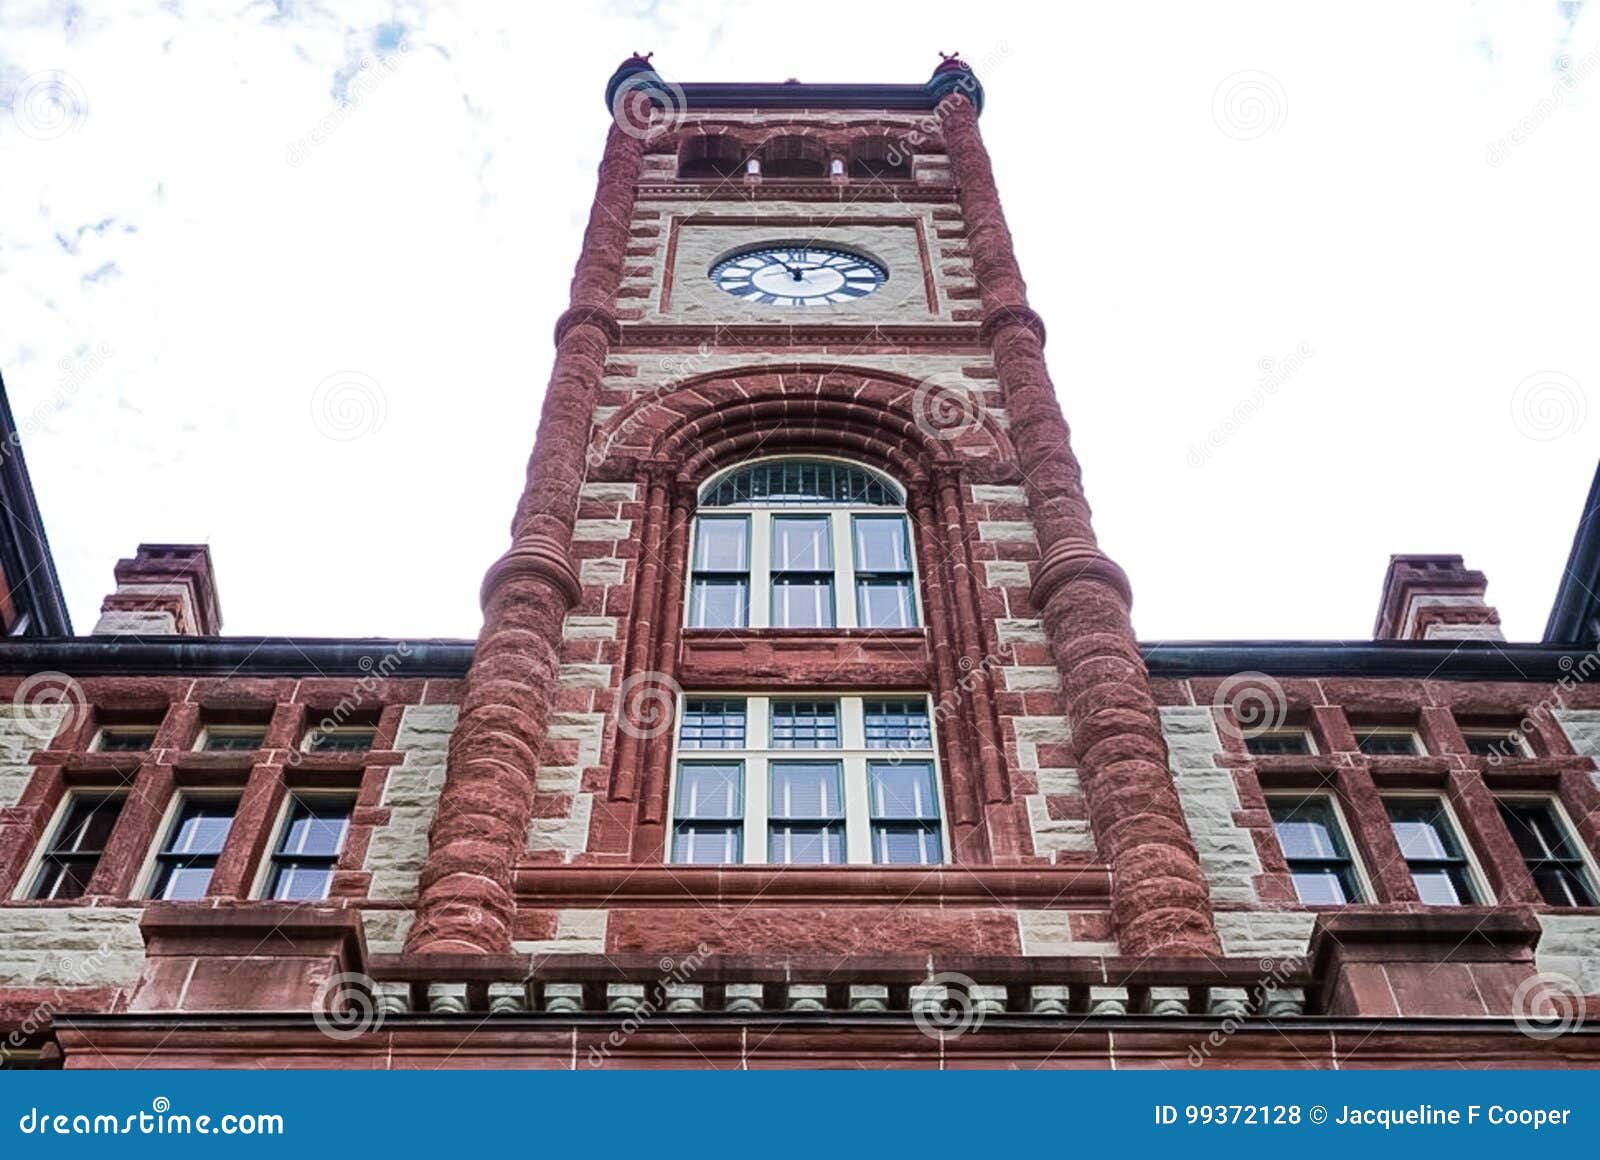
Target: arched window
<point x="879" y="159"/>
<point x="712" y="156"/>
<point x="759" y="563"/>
<point x="793" y="157"/>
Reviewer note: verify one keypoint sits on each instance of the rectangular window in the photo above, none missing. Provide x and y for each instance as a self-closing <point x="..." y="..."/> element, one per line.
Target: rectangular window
<point x="802" y="572"/>
<point x="125" y="738"/>
<point x="1389" y="742"/>
<point x="233" y="738"/>
<point x="75" y="849"/>
<point x="905" y="812"/>
<point x="1279" y="743"/>
<point x="720" y="581"/>
<point x="805" y="725"/>
<point x="1314" y="845"/>
<point x="340" y="739"/>
<point x="712" y="725"/>
<point x="1499" y="743"/>
<point x="709" y="819"/>
<point x="806" y="813"/>
<point x="883" y="573"/>
<point x="898" y="725"/>
<point x="1433" y="853"/>
<point x="1553" y="855"/>
<point x="187" y="860"/>
<point x="308" y="851"/>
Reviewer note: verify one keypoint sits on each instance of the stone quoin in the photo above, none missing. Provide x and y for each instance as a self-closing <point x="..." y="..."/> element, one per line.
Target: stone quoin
<point x="806" y="702"/>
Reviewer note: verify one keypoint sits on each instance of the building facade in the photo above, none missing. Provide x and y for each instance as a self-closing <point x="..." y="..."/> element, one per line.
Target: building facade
<point x="807" y="725"/>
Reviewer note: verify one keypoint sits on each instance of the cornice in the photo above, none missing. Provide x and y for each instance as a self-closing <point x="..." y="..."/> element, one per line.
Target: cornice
<point x="766" y="336"/>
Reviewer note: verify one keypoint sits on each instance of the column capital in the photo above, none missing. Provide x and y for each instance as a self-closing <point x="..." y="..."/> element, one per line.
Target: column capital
<point x="533" y="556"/>
<point x="1068" y="560"/>
<point x="576" y="316"/>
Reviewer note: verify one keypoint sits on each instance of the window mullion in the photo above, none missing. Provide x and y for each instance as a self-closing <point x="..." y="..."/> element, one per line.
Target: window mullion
<point x="841" y="527"/>
<point x="756" y="808"/>
<point x="858" y="811"/>
<point x="760" y="595"/>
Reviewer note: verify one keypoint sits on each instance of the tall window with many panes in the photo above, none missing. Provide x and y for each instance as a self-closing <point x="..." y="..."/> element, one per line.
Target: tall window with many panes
<point x="806" y="780"/>
<point x="802" y="543"/>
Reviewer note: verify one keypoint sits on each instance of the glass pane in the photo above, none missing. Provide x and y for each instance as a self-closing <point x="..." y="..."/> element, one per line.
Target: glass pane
<point x="302" y="883"/>
<point x="88" y="825"/>
<point x="64" y="877"/>
<point x="806" y="789"/>
<point x="234" y="741"/>
<point x="1320" y="887"/>
<point x="1388" y="744"/>
<point x="802" y="544"/>
<point x="316" y="829"/>
<point x="1307" y="830"/>
<point x="802" y="603"/>
<point x="903" y="791"/>
<point x="805" y="845"/>
<point x="914" y="845"/>
<point x="186" y="883"/>
<point x="710" y="791"/>
<point x="796" y="482"/>
<point x="718" y="604"/>
<point x="706" y="845"/>
<point x="1438" y="887"/>
<point x="1564" y="885"/>
<point x="342" y="740"/>
<point x="1421" y="829"/>
<point x="804" y="725"/>
<point x="1276" y="744"/>
<point x="898" y="725"/>
<point x="1534" y="826"/>
<point x="881" y="544"/>
<point x="125" y="740"/>
<point x="885" y="604"/>
<point x="722" y="545"/>
<point x="713" y="725"/>
<point x="202" y="828"/>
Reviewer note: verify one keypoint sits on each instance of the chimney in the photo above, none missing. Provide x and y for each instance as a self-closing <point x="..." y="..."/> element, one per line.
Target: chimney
<point x="165" y="590"/>
<point x="1435" y="598"/>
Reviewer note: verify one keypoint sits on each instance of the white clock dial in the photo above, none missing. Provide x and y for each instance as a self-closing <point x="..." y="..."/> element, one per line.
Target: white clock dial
<point x="798" y="275"/>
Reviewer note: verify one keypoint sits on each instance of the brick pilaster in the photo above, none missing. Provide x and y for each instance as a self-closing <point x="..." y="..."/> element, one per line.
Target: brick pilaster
<point x="481" y="826"/>
<point x="1160" y="899"/>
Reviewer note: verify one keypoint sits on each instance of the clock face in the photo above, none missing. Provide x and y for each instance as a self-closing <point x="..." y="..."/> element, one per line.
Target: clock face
<point x="798" y="275"/>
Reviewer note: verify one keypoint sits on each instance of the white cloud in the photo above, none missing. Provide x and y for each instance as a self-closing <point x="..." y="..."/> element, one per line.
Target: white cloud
<point x="424" y="238"/>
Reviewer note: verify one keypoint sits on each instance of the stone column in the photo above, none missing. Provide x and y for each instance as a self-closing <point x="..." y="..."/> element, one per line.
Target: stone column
<point x="1160" y="900"/>
<point x="481" y="827"/>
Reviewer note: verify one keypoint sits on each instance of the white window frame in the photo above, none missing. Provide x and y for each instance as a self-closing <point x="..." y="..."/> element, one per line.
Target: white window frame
<point x="851" y="754"/>
<point x="1285" y="731"/>
<point x="97" y="744"/>
<point x="841" y="537"/>
<point x="316" y="731"/>
<point x="1346" y="834"/>
<point x="263" y="875"/>
<point x="22" y="890"/>
<point x="145" y="881"/>
<point x="1564" y="819"/>
<point x="208" y="732"/>
<point x="1480" y="880"/>
<point x="1418" y="749"/>
<point x="1513" y="737"/>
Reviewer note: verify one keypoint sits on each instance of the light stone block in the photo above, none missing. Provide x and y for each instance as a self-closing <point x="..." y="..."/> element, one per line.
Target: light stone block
<point x="1005" y="531"/>
<point x="610" y="492"/>
<point x="1031" y="678"/>
<point x="992" y="493"/>
<point x="601" y="571"/>
<point x="609" y="531"/>
<point x="1049" y="932"/>
<point x="589" y="628"/>
<point x="1006" y="574"/>
<point x="1020" y="631"/>
<point x="1265" y="934"/>
<point x="578" y="932"/>
<point x="584" y="676"/>
<point x="411" y="793"/>
<point x="80" y="946"/>
<point x="1209" y="798"/>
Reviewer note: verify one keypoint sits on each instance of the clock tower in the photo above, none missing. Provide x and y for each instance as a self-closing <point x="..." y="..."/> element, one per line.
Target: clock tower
<point x="803" y="575"/>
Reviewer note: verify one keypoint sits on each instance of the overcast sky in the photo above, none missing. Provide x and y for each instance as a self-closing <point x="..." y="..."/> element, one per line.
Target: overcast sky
<point x="1321" y="281"/>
